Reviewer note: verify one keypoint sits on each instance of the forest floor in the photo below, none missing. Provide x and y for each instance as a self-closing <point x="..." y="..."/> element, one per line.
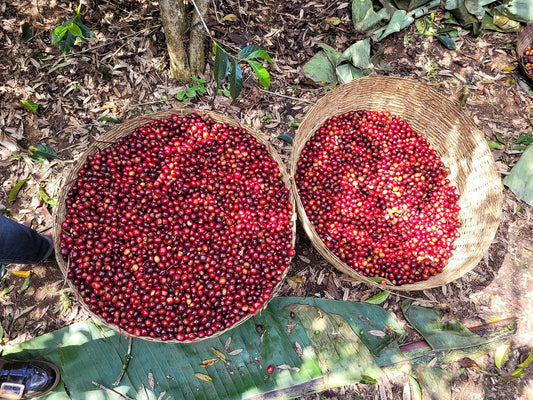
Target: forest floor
<point x="124" y="73"/>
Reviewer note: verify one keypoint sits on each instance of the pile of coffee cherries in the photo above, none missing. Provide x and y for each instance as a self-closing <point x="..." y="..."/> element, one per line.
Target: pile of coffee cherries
<point x="178" y="230"/>
<point x="528" y="59"/>
<point x="378" y="196"/>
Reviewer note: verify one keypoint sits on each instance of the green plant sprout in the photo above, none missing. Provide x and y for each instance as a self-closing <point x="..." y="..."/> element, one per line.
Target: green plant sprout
<point x="71" y="32"/>
<point x="227" y="67"/>
<point x="195" y="90"/>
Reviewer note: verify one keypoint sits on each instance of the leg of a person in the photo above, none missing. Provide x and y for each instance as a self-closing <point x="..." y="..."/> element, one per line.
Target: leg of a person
<point x="22" y="245"/>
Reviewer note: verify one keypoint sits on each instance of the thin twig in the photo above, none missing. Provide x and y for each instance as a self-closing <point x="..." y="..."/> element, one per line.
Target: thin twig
<point x="122" y="396"/>
<point x="127" y="359"/>
<point x="286" y="96"/>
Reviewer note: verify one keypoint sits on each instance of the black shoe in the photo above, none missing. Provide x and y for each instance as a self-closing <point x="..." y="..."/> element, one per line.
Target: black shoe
<point x="27" y="379"/>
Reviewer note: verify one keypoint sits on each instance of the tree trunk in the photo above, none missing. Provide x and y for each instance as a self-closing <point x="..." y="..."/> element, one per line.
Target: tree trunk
<point x="186" y="52"/>
<point x="197" y="39"/>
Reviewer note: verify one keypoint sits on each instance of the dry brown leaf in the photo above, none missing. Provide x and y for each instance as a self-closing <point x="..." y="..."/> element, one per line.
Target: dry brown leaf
<point x="109" y="105"/>
<point x="227" y="344"/>
<point x="220" y="355"/>
<point x="203" y="377"/>
<point x="209" y="362"/>
<point x="230" y="17"/>
<point x="290" y="326"/>
<point x="285" y="366"/>
<point x="151" y="380"/>
<point x="298" y="348"/>
<point x="235" y="352"/>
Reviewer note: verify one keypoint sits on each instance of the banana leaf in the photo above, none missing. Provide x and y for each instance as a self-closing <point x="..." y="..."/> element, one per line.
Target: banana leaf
<point x="438" y="334"/>
<point x="312" y="345"/>
<point x="520" y="179"/>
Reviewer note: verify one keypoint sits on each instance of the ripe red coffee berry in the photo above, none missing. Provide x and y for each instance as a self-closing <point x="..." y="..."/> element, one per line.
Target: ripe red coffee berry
<point x="270" y="369"/>
<point x="378" y="196"/>
<point x="178" y="230"/>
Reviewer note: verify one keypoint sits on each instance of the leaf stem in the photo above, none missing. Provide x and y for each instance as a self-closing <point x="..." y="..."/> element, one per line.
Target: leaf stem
<point x="127" y="359"/>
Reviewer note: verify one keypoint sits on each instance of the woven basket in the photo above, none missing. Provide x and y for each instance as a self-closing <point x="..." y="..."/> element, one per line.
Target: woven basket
<point x="456" y="140"/>
<point x="125" y="129"/>
<point x="523" y="40"/>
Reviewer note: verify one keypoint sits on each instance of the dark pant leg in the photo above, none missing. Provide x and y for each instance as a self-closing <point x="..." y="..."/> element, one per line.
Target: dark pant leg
<point x="22" y="245"/>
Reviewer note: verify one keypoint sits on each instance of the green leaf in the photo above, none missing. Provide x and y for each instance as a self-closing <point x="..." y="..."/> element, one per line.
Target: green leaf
<point x="420" y="27"/>
<point x="520" y="178"/>
<point x="191" y="92"/>
<point x="322" y="66"/>
<point x="364" y="18"/>
<point x="378" y="298"/>
<point x="462" y="16"/>
<point x="30" y="106"/>
<point x="399" y="20"/>
<point x="409" y="5"/>
<point x="74" y="29"/>
<point x="58" y="33"/>
<point x="198" y="80"/>
<point x="365" y="379"/>
<point x="495" y="145"/>
<point x="235" y="81"/>
<point x="357" y="56"/>
<point x="254" y="51"/>
<point x="378" y="279"/>
<point x="110" y="118"/>
<point x="447" y="41"/>
<point x="416" y="392"/>
<point x="88" y="345"/>
<point x="517" y="10"/>
<point x="435" y="381"/>
<point x="27" y="32"/>
<point x="439" y="335"/>
<point x="221" y="66"/>
<point x="85" y="31"/>
<point x="25" y="284"/>
<point x="525" y="138"/>
<point x="43" y="151"/>
<point x="261" y="73"/>
<point x="500" y="355"/>
<point x="286" y="138"/>
<point x="15" y="191"/>
<point x="47" y="199"/>
<point x="498" y="138"/>
<point x="67" y="42"/>
<point x="180" y="95"/>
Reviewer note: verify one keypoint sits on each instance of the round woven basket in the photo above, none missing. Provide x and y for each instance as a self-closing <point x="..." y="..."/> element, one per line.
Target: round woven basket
<point x="523" y="40"/>
<point x="456" y="140"/>
<point x="124" y="129"/>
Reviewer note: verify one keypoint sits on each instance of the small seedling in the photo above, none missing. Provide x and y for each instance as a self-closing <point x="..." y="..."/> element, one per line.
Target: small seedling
<point x="427" y="27"/>
<point x="195" y="90"/>
<point x="71" y="32"/>
<point x="227" y="67"/>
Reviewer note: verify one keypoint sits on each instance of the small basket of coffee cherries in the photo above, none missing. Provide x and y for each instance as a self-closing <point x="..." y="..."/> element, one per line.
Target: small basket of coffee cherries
<point x="524" y="49"/>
